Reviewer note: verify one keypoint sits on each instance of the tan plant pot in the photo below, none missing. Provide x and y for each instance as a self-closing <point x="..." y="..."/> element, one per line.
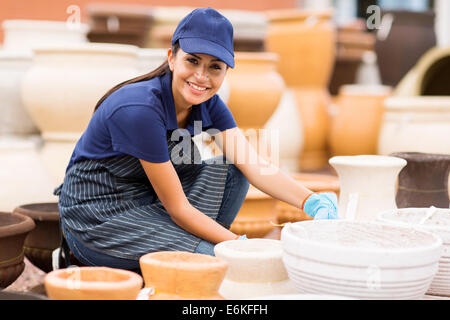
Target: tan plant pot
<point x="182" y="275"/>
<point x="314" y="182"/>
<point x="356" y="125"/>
<point x="92" y="283"/>
<point x="13" y="230"/>
<point x="257" y="216"/>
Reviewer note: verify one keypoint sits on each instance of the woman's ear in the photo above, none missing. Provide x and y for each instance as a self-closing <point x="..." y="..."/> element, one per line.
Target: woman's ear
<point x="170" y="58"/>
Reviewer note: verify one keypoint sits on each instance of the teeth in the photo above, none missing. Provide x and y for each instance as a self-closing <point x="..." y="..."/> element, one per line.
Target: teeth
<point x="196" y="87"/>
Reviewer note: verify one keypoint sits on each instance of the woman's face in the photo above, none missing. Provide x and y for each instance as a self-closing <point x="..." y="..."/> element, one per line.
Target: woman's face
<point x="196" y="77"/>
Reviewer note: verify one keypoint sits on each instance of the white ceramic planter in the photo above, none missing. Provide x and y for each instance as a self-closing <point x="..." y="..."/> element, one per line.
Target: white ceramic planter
<point x="438" y="222"/>
<point x="363" y="260"/>
<point x="14" y="118"/>
<point x="25" y="34"/>
<point x="367" y="185"/>
<point x="255" y="269"/>
<point x="24" y="178"/>
<point x="286" y="125"/>
<point x="64" y="84"/>
<point x="415" y="124"/>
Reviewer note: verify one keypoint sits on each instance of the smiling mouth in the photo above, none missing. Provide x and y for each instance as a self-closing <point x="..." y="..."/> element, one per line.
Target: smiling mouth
<point x="196" y="87"/>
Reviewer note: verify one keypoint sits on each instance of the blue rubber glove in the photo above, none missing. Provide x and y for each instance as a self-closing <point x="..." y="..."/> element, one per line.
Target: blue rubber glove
<point x="321" y="206"/>
<point x="243" y="237"/>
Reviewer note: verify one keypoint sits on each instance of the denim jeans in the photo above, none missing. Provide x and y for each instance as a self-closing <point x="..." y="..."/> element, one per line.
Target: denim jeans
<point x="235" y="191"/>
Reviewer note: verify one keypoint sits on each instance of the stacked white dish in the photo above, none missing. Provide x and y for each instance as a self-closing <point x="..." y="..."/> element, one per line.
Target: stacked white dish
<point x="255" y="268"/>
<point x="432" y="219"/>
<point x="362" y="260"/>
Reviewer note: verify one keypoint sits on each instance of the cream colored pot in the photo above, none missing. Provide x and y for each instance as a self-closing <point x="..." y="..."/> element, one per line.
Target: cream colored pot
<point x="367" y="185"/>
<point x="415" y="124"/>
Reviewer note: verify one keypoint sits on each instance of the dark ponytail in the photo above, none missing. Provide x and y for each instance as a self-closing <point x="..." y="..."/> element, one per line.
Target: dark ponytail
<point x="161" y="70"/>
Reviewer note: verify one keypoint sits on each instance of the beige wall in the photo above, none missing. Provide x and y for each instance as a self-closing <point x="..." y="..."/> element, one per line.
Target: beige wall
<point x="56" y="9"/>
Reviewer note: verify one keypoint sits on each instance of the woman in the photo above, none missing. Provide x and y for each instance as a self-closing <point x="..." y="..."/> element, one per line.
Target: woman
<point x="131" y="187"/>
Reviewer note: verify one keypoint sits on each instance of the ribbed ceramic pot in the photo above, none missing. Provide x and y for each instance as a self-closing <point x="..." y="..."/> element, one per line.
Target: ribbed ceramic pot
<point x="367" y="185"/>
<point x="13" y="230"/>
<point x="255" y="269"/>
<point x="363" y="260"/>
<point x="434" y="220"/>
<point x="62" y="88"/>
<point x="315" y="183"/>
<point x="429" y="76"/>
<point x="415" y="124"/>
<point x="92" y="283"/>
<point x="24" y="177"/>
<point x="46" y="236"/>
<point x="257" y="216"/>
<point x="356" y="125"/>
<point x="424" y="180"/>
<point x="14" y="119"/>
<point x="179" y="275"/>
<point x="25" y="34"/>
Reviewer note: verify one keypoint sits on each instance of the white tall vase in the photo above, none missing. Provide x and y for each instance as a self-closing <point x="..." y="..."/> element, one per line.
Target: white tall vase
<point x="62" y="88"/>
<point x="367" y="185"/>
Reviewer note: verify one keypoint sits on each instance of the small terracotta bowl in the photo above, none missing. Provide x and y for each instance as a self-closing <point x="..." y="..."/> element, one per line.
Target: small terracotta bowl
<point x="92" y="283"/>
<point x="183" y="275"/>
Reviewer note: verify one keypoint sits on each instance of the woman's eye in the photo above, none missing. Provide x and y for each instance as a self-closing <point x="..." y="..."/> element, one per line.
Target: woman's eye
<point x="192" y="60"/>
<point x="216" y="66"/>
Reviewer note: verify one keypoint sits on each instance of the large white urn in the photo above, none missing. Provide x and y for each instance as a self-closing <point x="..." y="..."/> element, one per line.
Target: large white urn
<point x="367" y="185"/>
<point x="62" y="88"/>
<point x="415" y="124"/>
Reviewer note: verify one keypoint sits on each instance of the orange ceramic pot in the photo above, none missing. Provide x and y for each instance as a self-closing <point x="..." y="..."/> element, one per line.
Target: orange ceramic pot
<point x="255" y="88"/>
<point x="257" y="215"/>
<point x="305" y="42"/>
<point x="356" y="124"/>
<point x="183" y="275"/>
<point x="315" y="182"/>
<point x="92" y="283"/>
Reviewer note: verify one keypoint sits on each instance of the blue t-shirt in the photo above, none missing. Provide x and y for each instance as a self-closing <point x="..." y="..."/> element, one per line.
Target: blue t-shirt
<point x="135" y="120"/>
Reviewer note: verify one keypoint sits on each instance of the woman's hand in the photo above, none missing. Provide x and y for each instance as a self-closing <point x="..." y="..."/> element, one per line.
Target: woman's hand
<point x="321" y="205"/>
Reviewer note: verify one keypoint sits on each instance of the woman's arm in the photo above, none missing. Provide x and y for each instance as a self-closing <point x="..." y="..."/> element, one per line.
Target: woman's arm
<point x="167" y="186"/>
<point x="260" y="173"/>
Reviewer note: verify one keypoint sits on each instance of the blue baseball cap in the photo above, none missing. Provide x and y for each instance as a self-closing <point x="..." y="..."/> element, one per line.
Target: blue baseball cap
<point x="206" y="31"/>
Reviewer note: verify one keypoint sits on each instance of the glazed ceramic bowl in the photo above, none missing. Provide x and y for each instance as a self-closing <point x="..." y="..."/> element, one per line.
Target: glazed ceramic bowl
<point x="438" y="222"/>
<point x="179" y="275"/>
<point x="255" y="269"/>
<point x="92" y="283"/>
<point x="363" y="260"/>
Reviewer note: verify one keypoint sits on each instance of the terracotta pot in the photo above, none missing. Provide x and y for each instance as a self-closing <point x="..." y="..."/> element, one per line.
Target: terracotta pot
<point x="62" y="87"/>
<point x="13" y="230"/>
<point x="424" y="180"/>
<point x="46" y="237"/>
<point x="397" y="51"/>
<point x="183" y="275"/>
<point x="257" y="216"/>
<point x="415" y="124"/>
<point x="92" y="283"/>
<point x="255" y="269"/>
<point x="362" y="260"/>
<point x="314" y="182"/>
<point x="356" y="125"/>
<point x="23" y="170"/>
<point x="305" y="42"/>
<point x="25" y="34"/>
<point x="367" y="185"/>
<point x="15" y="119"/>
<point x="313" y="104"/>
<point x="429" y="76"/>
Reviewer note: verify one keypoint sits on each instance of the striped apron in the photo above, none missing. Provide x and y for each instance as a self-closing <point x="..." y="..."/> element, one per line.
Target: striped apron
<point x="110" y="205"/>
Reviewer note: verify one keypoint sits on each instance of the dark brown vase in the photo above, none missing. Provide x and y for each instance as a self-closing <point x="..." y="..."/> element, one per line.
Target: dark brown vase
<point x="13" y="230"/>
<point x="424" y="180"/>
<point x="410" y="36"/>
<point x="40" y="243"/>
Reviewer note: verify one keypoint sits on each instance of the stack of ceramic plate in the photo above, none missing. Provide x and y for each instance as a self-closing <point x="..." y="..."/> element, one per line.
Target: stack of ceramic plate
<point x="429" y="219"/>
<point x="363" y="260"/>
